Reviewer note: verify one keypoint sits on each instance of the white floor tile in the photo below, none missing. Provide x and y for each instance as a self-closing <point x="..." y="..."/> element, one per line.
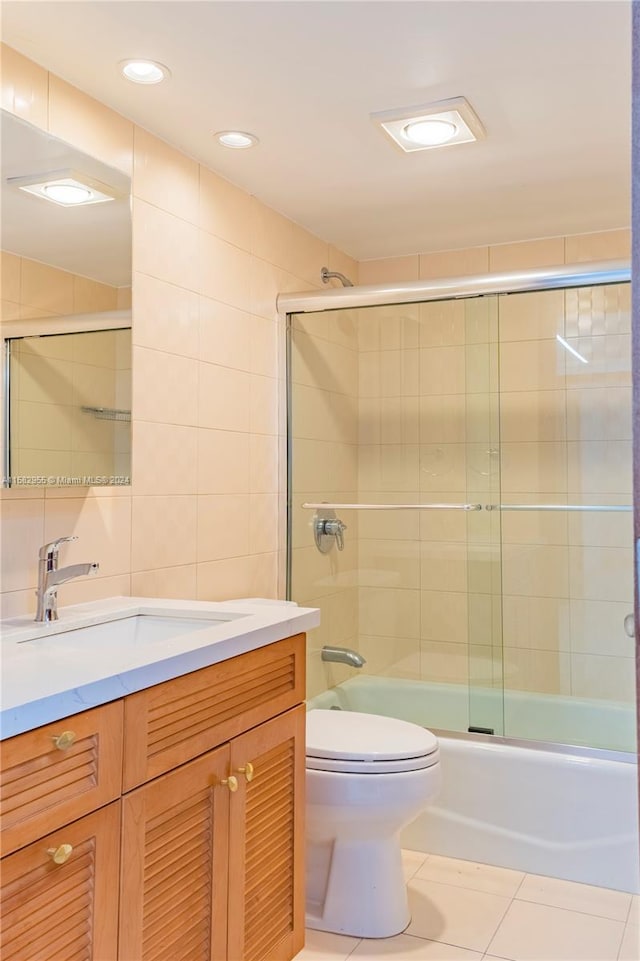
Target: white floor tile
<point x="536" y="932"/>
<point x="630" y="947"/>
<point x="455" y="915"/>
<point x="600" y="902"/>
<point x="406" y="948"/>
<point x="411" y="862"/>
<point x="469" y="874"/>
<point x="324" y="946"/>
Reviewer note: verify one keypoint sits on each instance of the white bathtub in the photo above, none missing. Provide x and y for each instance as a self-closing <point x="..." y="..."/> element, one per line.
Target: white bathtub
<point x="563" y="812"/>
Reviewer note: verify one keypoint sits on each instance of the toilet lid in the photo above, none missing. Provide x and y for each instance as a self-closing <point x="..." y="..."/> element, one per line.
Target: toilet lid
<point x="352" y="736"/>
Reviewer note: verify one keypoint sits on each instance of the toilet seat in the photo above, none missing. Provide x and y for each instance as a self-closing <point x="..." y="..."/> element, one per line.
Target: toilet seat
<point x="349" y="742"/>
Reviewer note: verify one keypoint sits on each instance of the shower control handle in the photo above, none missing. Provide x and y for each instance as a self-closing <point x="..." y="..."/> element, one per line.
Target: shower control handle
<point x="328" y="530"/>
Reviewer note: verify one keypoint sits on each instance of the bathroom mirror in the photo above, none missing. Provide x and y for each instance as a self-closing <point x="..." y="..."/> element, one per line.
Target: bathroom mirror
<point x="66" y="313"/>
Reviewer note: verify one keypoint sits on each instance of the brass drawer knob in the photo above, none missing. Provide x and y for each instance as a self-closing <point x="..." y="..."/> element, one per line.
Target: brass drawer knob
<point x="231" y="782"/>
<point x="64" y="741"/>
<point x="61" y="854"/>
<point x="248" y="770"/>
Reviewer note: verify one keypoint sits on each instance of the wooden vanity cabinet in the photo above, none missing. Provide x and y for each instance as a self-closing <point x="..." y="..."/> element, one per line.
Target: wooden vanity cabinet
<point x="213" y="865"/>
<point x="201" y="859"/>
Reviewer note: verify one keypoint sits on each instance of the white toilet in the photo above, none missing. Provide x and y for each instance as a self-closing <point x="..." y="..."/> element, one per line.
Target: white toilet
<point x="367" y="777"/>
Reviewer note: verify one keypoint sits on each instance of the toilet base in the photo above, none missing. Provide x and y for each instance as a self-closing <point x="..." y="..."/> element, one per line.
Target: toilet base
<point x="365" y="893"/>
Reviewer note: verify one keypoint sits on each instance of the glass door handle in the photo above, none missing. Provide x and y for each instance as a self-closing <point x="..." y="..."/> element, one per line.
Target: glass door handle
<point x="630" y="625"/>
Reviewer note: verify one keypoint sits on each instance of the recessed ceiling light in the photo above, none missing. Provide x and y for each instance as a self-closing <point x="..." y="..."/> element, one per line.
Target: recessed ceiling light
<point x="237" y="139"/>
<point x="431" y="125"/>
<point x="144" y="71"/>
<point x="67" y="188"/>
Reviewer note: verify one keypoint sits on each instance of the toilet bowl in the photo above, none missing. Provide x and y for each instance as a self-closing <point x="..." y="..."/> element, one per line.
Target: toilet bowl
<point x="367" y="777"/>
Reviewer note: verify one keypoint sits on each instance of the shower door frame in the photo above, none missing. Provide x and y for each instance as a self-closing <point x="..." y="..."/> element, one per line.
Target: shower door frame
<point x="594" y="274"/>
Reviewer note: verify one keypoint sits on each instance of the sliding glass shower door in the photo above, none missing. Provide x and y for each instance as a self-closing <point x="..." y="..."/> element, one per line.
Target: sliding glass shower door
<point x="478" y="452"/>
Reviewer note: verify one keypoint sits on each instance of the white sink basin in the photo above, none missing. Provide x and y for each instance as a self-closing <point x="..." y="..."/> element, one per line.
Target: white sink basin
<point x="137" y="630"/>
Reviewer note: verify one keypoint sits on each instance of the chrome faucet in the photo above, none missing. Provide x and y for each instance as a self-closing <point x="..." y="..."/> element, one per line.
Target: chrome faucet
<point x="343" y="655"/>
<point x="50" y="577"/>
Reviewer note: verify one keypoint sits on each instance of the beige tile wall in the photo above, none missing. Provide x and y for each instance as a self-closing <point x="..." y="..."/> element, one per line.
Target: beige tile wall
<point x="203" y="516"/>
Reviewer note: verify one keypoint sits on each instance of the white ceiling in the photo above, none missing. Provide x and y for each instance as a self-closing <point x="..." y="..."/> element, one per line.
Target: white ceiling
<point x="93" y="241"/>
<point x="549" y="80"/>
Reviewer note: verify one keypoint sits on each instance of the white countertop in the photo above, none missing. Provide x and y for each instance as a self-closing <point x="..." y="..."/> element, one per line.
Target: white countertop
<point x="49" y="672"/>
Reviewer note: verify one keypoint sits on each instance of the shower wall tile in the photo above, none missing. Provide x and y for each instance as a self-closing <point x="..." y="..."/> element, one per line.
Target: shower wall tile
<point x="600" y="467"/>
<point x="442" y="323"/>
<point x="443" y="566"/>
<point x="599" y="413"/>
<point x="597" y="627"/>
<point x="444" y="617"/>
<point x="391" y="656"/>
<point x="532" y="316"/>
<point x="392" y="612"/>
<point x="601" y="573"/>
<point x="537" y="623"/>
<point x="389" y="563"/>
<point x="444" y="663"/>
<point x="532" y="365"/>
<point x="534" y="416"/>
<point x="543" y="672"/>
<point x="454" y="263"/>
<point x="608" y="245"/>
<point x="535" y="570"/>
<point x="390" y="269"/>
<point x="442" y="370"/>
<point x="600" y="528"/>
<point x="534" y="527"/>
<point x="166" y="317"/>
<point x="526" y="255"/>
<point x="225" y="210"/>
<point x="541" y="466"/>
<point x="601" y="677"/>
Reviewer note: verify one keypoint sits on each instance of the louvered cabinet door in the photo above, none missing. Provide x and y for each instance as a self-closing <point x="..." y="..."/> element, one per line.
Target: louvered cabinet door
<point x="56" y="773"/>
<point x="59" y="897"/>
<point x="173" y="894"/>
<point x="266" y="841"/>
<point x="178" y="720"/>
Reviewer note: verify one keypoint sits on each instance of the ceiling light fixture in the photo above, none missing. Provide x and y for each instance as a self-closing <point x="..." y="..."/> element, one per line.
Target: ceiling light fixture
<point x="66" y="188"/>
<point x="236" y="139"/>
<point x="431" y="125"/>
<point x="144" y="71"/>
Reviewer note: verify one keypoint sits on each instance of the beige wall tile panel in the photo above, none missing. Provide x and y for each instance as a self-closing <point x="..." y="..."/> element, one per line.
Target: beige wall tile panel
<point x="166" y="317"/>
<point x="400" y="420"/>
<point x="233" y="577"/>
<point x="599" y="413"/>
<point x="533" y="415"/>
<point x="225" y="335"/>
<point x="326" y="466"/>
<point x="272" y="235"/>
<point x="90" y="296"/>
<point x="165" y="246"/>
<point x="601" y="677"/>
<point x="541" y="467"/>
<point x="535" y="570"/>
<point x="22" y="537"/>
<point x="534" y="527"/>
<point x="443" y="418"/>
<point x="443" y="566"/>
<point x="442" y="662"/>
<point x="87" y="589"/>
<point x="103" y="528"/>
<point x="442" y="323"/>
<point x="391" y="657"/>
<point x="225" y="272"/>
<point x="454" y="263"/>
<point x="527" y="255"/>
<point x="223" y="526"/>
<point x="124" y="298"/>
<point x="389" y="564"/>
<point x="25" y="87"/>
<point x="390" y="270"/>
<point x="390" y="613"/>
<point x="597" y="627"/>
<point x="263" y="405"/>
<point x="263" y="464"/>
<point x="223" y="462"/>
<point x="264" y="517"/>
<point x="607" y="362"/>
<point x="155" y="165"/>
<point x="442" y="370"/>
<point x="165" y="459"/>
<point x="10" y="267"/>
<point x="444" y="617"/>
<point x="601" y="573"/>
<point x="163" y="532"/>
<point x="536" y="623"/>
<point x="165" y="387"/>
<point x="223" y="398"/>
<point x="89" y="125"/>
<point x="388" y="467"/>
<point x="443" y="467"/>
<point x="46" y="288"/>
<point x="532" y="365"/>
<point x="595" y="311"/>
<point x="532" y="316"/>
<point x="600" y="467"/>
<point x="607" y="245"/>
<point x="225" y="210"/>
<point x="599" y="529"/>
<point x="175" y="582"/>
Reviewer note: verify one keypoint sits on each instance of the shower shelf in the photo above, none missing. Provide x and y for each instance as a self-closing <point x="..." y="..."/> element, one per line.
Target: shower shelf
<point x="108" y="413"/>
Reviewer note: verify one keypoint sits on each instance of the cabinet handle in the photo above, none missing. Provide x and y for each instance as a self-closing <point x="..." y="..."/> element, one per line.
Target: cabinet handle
<point x="61" y="854"/>
<point x="64" y="741"/>
<point x="231" y="782"/>
<point x="248" y="770"/>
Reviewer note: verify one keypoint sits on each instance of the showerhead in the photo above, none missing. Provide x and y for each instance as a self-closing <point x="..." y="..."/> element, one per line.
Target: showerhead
<point x="326" y="275"/>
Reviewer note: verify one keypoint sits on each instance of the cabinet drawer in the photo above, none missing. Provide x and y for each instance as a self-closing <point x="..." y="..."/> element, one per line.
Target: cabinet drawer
<point x="46" y="781"/>
<point x="65" y="908"/>
<point x="176" y="721"/>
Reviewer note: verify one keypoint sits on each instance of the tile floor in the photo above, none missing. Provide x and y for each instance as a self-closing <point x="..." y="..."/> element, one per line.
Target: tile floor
<point x="463" y="911"/>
